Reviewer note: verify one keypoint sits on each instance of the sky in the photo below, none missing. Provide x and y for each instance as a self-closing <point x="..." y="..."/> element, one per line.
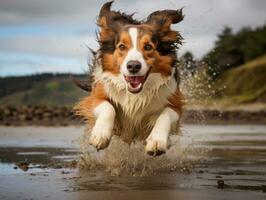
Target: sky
<point x="39" y="36"/>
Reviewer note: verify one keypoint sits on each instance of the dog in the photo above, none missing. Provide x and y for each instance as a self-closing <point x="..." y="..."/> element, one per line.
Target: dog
<point x="135" y="82"/>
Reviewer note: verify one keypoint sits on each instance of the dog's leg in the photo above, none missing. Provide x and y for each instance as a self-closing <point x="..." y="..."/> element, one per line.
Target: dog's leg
<point x="102" y="130"/>
<point x="157" y="141"/>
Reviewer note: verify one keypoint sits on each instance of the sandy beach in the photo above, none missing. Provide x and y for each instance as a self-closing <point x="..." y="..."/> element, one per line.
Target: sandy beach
<point x="213" y="162"/>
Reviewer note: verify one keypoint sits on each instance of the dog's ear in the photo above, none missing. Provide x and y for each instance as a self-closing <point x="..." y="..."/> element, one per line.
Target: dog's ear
<point x="112" y="19"/>
<point x="161" y="21"/>
<point x="105" y="16"/>
<point x="110" y="22"/>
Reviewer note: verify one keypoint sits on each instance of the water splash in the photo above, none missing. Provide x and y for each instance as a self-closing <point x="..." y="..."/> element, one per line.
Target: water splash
<point x="123" y="159"/>
<point x="198" y="87"/>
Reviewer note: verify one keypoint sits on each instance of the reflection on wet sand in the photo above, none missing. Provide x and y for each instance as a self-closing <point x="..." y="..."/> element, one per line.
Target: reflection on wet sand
<point x="205" y="161"/>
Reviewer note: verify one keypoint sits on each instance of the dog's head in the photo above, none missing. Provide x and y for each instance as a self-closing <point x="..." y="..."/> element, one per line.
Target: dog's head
<point x="136" y="49"/>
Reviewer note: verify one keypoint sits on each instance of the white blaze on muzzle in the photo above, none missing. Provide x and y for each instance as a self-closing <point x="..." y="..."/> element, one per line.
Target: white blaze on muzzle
<point x="135" y="80"/>
<point x="134" y="55"/>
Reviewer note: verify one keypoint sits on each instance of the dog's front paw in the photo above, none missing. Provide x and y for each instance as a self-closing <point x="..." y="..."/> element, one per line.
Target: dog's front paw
<point x="99" y="141"/>
<point x="155" y="147"/>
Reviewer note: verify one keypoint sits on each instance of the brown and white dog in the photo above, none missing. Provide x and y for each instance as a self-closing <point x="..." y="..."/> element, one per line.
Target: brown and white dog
<point x="135" y="90"/>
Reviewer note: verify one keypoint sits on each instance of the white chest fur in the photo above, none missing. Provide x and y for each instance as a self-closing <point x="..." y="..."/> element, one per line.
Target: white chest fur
<point x="137" y="111"/>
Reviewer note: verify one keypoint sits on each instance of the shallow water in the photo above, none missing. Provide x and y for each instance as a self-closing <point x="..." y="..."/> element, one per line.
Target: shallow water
<point x="197" y="160"/>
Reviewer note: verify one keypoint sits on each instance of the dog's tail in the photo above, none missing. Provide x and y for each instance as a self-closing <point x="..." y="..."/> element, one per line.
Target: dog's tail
<point x="87" y="84"/>
<point x="84" y="85"/>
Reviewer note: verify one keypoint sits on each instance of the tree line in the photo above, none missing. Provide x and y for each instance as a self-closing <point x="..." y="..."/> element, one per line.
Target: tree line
<point x="230" y="50"/>
<point x="10" y="85"/>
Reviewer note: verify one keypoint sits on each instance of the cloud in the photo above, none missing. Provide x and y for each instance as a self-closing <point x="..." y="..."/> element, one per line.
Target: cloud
<point x="49" y="45"/>
<point x="48" y="12"/>
<point x="59" y="29"/>
<point x="17" y="64"/>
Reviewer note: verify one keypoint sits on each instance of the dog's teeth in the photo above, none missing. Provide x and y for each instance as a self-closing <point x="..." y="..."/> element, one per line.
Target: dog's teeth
<point x="139" y="86"/>
<point x="134" y="89"/>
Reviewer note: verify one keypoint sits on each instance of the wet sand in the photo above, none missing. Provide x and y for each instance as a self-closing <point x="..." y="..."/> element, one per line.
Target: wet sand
<point x="234" y="156"/>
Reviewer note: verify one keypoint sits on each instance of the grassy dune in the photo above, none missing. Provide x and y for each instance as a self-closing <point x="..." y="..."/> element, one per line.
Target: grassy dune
<point x="246" y="83"/>
<point x="51" y="93"/>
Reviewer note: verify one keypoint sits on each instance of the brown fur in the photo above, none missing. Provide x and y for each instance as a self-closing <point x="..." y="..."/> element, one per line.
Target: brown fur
<point x="158" y="63"/>
<point x="176" y="101"/>
<point x="155" y="31"/>
<point x="86" y="106"/>
<point x="112" y="62"/>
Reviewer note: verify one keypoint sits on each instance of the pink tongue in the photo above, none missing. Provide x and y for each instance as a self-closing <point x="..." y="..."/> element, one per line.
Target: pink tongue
<point x="135" y="80"/>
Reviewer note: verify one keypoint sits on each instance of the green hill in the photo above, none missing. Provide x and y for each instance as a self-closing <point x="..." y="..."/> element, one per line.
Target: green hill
<point x="13" y="84"/>
<point x="246" y="83"/>
<point x="52" y="92"/>
<point x="232" y="49"/>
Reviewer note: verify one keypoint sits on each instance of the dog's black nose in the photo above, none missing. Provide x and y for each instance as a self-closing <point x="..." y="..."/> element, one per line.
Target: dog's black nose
<point x="133" y="66"/>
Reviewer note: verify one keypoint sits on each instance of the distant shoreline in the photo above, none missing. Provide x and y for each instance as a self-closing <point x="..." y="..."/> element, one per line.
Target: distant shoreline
<point x="63" y="116"/>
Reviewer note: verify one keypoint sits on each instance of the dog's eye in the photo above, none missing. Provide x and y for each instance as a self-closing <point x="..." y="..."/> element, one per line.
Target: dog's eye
<point x="147" y="47"/>
<point x="122" y="47"/>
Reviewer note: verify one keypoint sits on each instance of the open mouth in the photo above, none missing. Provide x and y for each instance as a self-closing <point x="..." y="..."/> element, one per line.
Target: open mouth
<point x="135" y="83"/>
